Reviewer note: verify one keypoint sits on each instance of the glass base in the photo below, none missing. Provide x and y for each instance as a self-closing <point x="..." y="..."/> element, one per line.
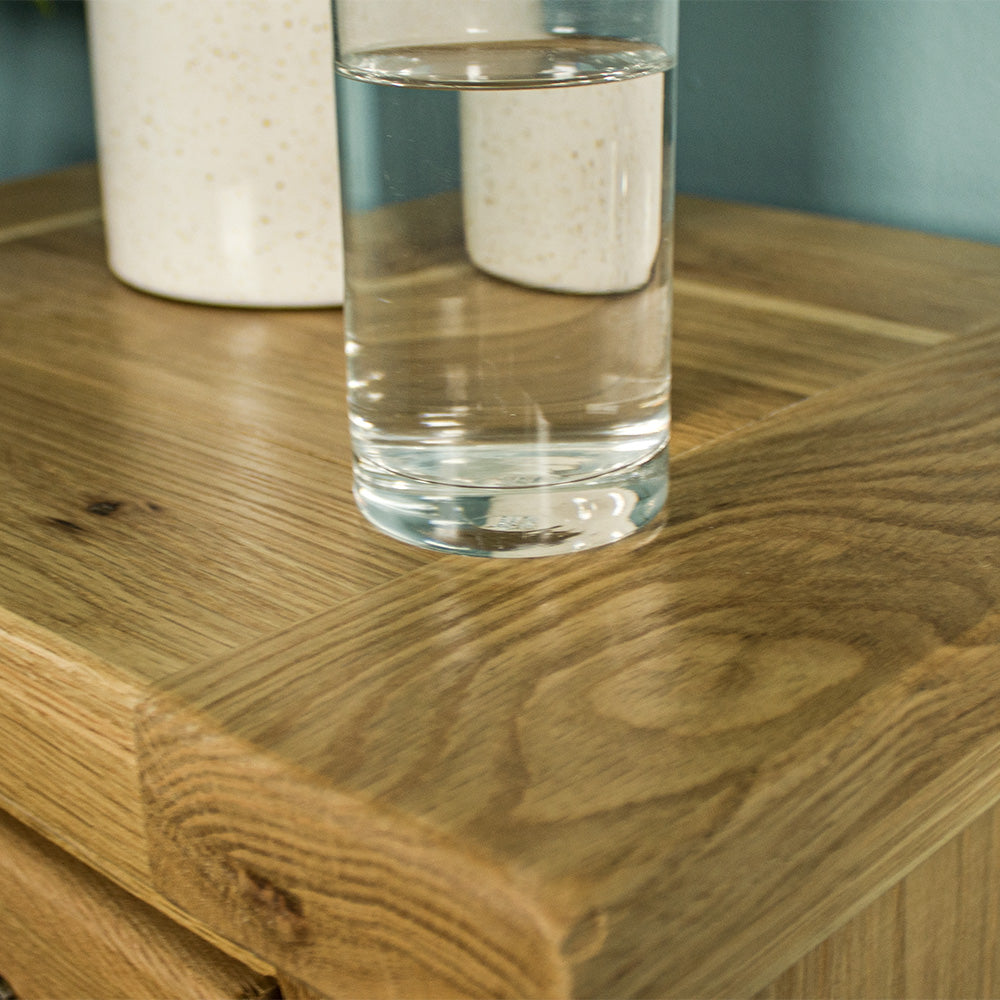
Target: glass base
<point x="513" y="522"/>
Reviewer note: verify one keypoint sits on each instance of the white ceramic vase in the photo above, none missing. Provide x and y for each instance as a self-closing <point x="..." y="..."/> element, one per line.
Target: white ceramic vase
<point x="217" y="149"/>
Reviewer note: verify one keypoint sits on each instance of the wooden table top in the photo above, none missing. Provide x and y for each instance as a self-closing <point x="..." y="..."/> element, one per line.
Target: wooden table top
<point x="667" y="767"/>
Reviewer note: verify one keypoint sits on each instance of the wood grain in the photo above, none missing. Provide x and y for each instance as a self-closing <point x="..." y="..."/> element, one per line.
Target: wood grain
<point x="386" y="908"/>
<point x="691" y="758"/>
<point x="66" y="933"/>
<point x="105" y="393"/>
<point x="70" y="762"/>
<point x="675" y="765"/>
<point x="35" y="205"/>
<point x="934" y="934"/>
<point x="214" y="441"/>
<point x="66" y="717"/>
<point x="886" y="275"/>
<point x="737" y="362"/>
<point x="292" y="989"/>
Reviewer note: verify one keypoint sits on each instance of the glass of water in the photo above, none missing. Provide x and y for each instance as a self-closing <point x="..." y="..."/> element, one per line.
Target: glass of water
<point x="507" y="181"/>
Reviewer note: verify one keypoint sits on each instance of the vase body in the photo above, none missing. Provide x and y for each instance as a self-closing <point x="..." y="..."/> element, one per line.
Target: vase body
<point x="217" y="149"/>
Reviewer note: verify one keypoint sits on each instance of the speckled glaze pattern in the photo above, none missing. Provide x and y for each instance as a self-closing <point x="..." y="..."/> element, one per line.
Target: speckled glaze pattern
<point x="518" y="192"/>
<point x="217" y="147"/>
<point x="387" y="23"/>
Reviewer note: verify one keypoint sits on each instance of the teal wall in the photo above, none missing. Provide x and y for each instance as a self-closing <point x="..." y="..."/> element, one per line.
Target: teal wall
<point x="45" y="106"/>
<point x="883" y="110"/>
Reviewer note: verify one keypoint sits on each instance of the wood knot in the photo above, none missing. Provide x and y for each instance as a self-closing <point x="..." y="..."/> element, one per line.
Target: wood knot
<point x="280" y="910"/>
<point x="103" y="508"/>
<point x="63" y="524"/>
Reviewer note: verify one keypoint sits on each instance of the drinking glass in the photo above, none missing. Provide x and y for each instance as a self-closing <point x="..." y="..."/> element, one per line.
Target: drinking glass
<point x="507" y="189"/>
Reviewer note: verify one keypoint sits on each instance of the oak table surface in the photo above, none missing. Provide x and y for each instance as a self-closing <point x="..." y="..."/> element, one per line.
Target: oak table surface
<point x="669" y="767"/>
